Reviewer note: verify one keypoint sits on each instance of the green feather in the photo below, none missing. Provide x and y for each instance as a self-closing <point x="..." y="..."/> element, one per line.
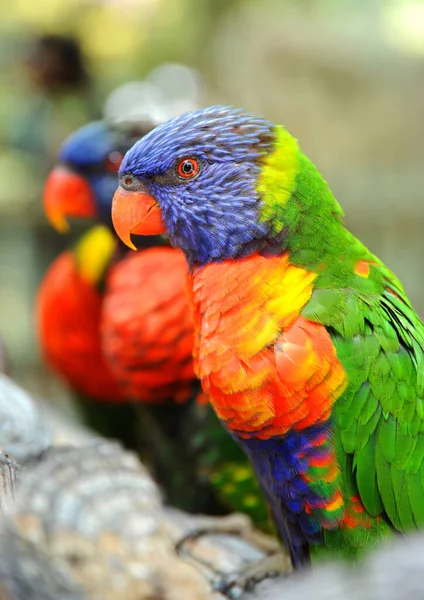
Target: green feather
<point x="387" y="438"/>
<point x="370" y="411"/>
<point x="367" y="480"/>
<point x="385" y="487"/>
<point x="378" y="379"/>
<point x="406" y="520"/>
<point x="357" y="403"/>
<point x="415" y="493"/>
<point x="366" y="429"/>
<point x="405" y="446"/>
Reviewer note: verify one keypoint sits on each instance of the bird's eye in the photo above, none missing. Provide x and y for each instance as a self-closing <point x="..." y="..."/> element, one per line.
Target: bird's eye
<point x="128" y="181"/>
<point x="113" y="161"/>
<point x="188" y="168"/>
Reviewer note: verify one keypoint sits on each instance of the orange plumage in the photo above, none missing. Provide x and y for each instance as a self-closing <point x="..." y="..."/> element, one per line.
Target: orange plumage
<point x="260" y="380"/>
<point x="68" y="310"/>
<point x="147" y="329"/>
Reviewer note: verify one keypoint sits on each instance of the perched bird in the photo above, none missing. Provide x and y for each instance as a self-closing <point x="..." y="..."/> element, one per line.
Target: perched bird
<point x="79" y="331"/>
<point x="117" y="326"/>
<point x="306" y="343"/>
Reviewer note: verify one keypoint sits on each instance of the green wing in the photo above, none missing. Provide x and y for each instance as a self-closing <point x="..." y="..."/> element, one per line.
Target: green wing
<point x="380" y="418"/>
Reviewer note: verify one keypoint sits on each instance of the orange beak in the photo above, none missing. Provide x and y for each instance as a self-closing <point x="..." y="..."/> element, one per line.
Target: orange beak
<point x="67" y="194"/>
<point x="137" y="213"/>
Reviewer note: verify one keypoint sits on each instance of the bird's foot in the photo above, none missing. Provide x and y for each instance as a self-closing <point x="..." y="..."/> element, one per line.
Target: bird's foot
<point x="234" y="585"/>
<point x="265" y="559"/>
<point x="234" y="524"/>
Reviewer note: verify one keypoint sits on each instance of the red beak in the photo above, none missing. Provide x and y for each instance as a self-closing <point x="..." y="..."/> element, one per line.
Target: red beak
<point x="67" y="194"/>
<point x="135" y="212"/>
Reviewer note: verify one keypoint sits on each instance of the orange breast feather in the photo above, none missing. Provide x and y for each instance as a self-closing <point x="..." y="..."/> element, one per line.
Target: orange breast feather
<point x="147" y="327"/>
<point x="68" y="310"/>
<point x="265" y="367"/>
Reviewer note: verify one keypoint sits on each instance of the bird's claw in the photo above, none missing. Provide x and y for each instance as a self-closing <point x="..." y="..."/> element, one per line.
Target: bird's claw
<point x="234" y="524"/>
<point x="233" y="585"/>
<point x="236" y="584"/>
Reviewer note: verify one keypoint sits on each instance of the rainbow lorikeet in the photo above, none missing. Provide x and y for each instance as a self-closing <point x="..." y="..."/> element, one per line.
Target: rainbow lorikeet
<point x="116" y="325"/>
<point x="82" y="185"/>
<point x="306" y="343"/>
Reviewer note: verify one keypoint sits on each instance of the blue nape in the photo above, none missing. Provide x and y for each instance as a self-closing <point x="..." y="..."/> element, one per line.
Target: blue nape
<point x="86" y="152"/>
<point x="279" y="464"/>
<point x="87" y="146"/>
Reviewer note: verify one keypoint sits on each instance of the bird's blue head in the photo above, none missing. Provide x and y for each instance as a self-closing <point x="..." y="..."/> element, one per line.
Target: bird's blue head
<point x="84" y="181"/>
<point x="197" y="177"/>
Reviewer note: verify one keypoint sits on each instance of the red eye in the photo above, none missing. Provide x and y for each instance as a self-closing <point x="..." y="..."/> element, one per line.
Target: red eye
<point x="187" y="168"/>
<point x="113" y="161"/>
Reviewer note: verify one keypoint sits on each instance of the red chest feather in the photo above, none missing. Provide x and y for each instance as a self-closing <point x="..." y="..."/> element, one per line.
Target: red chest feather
<point x="266" y="368"/>
<point x="68" y="318"/>
<point x="147" y="327"/>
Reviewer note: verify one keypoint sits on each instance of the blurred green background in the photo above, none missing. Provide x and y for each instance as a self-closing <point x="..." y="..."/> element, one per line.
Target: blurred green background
<point x="345" y="76"/>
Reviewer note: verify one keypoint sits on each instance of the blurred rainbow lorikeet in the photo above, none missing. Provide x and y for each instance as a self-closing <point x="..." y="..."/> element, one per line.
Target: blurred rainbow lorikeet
<point x="305" y="341"/>
<point x="116" y="325"/>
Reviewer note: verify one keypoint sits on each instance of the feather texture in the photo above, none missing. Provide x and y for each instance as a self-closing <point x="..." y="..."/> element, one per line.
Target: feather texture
<point x="307" y="344"/>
